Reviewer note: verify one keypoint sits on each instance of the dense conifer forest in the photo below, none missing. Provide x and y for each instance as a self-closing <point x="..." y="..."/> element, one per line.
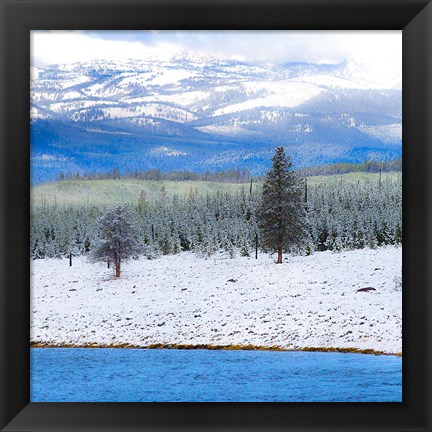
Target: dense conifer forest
<point x="341" y="215"/>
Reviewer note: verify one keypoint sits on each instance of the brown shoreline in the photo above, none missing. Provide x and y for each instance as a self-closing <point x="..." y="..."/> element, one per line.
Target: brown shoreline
<point x="39" y="344"/>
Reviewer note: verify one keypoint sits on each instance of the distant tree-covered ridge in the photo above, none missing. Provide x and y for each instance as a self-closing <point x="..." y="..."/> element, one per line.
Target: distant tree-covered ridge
<point x="345" y="168"/>
<point x="231" y="175"/>
<point x="227" y="176"/>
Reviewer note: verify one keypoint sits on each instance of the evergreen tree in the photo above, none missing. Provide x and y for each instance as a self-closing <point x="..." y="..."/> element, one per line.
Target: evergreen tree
<point x="281" y="215"/>
<point x="142" y="200"/>
<point x="118" y="239"/>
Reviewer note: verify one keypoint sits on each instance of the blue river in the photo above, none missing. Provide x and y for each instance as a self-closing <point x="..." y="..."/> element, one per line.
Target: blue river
<point x="140" y="375"/>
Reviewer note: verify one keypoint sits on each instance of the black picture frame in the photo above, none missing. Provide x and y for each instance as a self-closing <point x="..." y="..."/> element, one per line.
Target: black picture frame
<point x="18" y="17"/>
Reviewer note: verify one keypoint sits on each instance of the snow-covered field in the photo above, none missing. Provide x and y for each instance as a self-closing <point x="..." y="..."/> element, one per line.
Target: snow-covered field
<point x="183" y="299"/>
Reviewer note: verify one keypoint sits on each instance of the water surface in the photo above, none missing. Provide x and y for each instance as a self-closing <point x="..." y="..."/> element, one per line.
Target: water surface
<point x="140" y="375"/>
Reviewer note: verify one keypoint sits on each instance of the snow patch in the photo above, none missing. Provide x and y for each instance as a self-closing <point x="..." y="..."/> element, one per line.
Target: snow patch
<point x="387" y="133"/>
<point x="287" y="94"/>
<point x="328" y="81"/>
<point x="168" y="151"/>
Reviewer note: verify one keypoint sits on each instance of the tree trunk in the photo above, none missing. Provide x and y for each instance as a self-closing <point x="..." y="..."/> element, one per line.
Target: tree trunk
<point x="117" y="266"/>
<point x="279" y="261"/>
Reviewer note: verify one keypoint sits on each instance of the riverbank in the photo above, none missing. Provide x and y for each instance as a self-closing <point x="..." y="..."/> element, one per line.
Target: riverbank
<point x="36" y="344"/>
<point x="307" y="303"/>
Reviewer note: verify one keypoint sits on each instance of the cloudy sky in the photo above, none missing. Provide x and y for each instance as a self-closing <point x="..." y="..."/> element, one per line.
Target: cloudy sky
<point x="379" y="51"/>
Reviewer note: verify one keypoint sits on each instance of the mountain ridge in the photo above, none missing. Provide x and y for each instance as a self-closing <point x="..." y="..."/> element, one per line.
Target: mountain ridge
<point x="206" y="114"/>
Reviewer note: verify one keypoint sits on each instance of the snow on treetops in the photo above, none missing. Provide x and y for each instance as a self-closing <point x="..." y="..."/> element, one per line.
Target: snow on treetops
<point x="341" y="215"/>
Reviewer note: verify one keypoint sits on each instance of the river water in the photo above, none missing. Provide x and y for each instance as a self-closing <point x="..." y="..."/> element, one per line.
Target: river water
<point x="141" y="375"/>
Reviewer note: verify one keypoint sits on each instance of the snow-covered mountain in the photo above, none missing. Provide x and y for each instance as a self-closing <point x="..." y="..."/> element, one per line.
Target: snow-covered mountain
<point x="207" y="113"/>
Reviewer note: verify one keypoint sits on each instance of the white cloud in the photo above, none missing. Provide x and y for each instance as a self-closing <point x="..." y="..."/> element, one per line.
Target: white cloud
<point x="59" y="47"/>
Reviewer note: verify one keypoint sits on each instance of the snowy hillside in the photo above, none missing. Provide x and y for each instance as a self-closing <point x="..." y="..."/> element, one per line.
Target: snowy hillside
<point x="183" y="299"/>
<point x="209" y="109"/>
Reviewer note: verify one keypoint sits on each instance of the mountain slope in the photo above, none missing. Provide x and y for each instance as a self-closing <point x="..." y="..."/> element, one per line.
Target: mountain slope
<point x="205" y="114"/>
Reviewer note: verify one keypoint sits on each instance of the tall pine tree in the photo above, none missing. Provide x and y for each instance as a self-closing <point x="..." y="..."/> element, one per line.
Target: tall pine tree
<point x="281" y="215"/>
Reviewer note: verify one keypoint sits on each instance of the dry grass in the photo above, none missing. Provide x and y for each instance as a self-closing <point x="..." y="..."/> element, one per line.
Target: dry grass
<point x="40" y="344"/>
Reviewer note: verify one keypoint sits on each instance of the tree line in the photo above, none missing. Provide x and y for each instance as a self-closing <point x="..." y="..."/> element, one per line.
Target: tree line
<point x="285" y="215"/>
<point x="227" y="176"/>
<point x="345" y="168"/>
<point x="231" y="175"/>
